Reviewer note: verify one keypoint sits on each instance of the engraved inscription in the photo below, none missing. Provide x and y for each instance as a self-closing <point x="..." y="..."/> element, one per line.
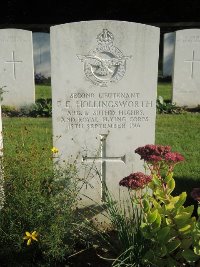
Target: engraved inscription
<point x="13" y="62"/>
<point x="192" y="61"/>
<point x="189" y="39"/>
<point x="105" y="64"/>
<point x="103" y="159"/>
<point x="13" y="39"/>
<point x="104" y="110"/>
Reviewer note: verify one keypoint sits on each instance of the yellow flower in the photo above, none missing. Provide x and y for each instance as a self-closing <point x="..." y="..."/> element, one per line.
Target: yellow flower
<point x="54" y="150"/>
<point x="30" y="236"/>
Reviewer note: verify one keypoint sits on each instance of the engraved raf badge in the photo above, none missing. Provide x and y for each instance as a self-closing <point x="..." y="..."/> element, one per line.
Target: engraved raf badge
<point x="106" y="64"/>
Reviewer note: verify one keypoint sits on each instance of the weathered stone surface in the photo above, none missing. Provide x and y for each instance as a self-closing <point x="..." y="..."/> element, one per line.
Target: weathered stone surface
<point x="104" y="80"/>
<point x="16" y="67"/>
<point x="186" y="77"/>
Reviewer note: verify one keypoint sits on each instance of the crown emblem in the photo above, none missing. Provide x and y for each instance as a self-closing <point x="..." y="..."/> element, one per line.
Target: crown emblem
<point x="106" y="64"/>
<point x="105" y="37"/>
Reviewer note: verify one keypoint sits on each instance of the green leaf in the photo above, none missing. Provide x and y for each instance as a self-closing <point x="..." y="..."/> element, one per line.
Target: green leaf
<point x="160" y="194"/>
<point x="182" y="199"/>
<point x="155" y="203"/>
<point x="143" y="225"/>
<point x="156" y="224"/>
<point x="189" y="255"/>
<point x="172" y="245"/>
<point x="146" y="231"/>
<point x="161" y="250"/>
<point x="171" y="185"/>
<point x="146" y="205"/>
<point x="171" y="262"/>
<point x="198" y="211"/>
<point x="186" y="229"/>
<point x="174" y="199"/>
<point x="182" y="219"/>
<point x="163" y="233"/>
<point x="169" y="206"/>
<point x="152" y="186"/>
<point x="188" y="209"/>
<point x="156" y="180"/>
<point x="186" y="243"/>
<point x="197" y="250"/>
<point x="151" y="260"/>
<point x="168" y="221"/>
<point x="169" y="177"/>
<point x="151" y="216"/>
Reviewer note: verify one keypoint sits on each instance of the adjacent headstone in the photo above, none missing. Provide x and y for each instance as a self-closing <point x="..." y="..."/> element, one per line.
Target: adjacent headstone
<point x="186" y="77"/>
<point x="2" y="193"/>
<point x="41" y="52"/>
<point x="1" y="140"/>
<point x="104" y="80"/>
<point x="168" y="53"/>
<point x="16" y="67"/>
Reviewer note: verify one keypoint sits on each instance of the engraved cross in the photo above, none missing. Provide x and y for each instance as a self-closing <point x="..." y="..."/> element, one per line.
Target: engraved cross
<point x="103" y="159"/>
<point x="192" y="61"/>
<point x="13" y="61"/>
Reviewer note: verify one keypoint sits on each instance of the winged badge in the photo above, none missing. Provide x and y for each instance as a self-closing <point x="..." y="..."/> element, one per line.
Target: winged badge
<point x="100" y="66"/>
<point x="106" y="64"/>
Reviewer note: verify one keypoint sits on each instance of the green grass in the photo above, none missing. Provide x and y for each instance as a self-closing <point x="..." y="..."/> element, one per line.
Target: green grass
<point x="37" y="199"/>
<point x="165" y="90"/>
<point x="42" y="91"/>
<point x="22" y="132"/>
<point x="182" y="133"/>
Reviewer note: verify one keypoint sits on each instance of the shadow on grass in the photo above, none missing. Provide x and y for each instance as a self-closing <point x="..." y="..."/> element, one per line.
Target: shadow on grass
<point x="164" y="79"/>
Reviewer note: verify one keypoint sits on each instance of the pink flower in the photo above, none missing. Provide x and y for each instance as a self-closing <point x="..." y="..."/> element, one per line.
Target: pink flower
<point x="136" y="180"/>
<point x="155" y="153"/>
<point x="173" y="157"/>
<point x="155" y="158"/>
<point x="195" y="194"/>
<point x="152" y="153"/>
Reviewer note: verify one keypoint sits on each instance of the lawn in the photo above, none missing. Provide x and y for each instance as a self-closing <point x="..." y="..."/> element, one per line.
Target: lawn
<point x="42" y="91"/>
<point x="24" y="131"/>
<point x="165" y="90"/>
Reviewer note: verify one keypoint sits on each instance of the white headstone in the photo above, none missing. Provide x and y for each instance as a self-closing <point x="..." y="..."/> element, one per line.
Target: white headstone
<point x="16" y="67"/>
<point x="104" y="80"/>
<point x="168" y="53"/>
<point x="41" y="52"/>
<point x="186" y="77"/>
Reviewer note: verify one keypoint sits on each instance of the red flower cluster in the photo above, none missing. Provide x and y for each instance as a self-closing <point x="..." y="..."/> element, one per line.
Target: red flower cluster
<point x="195" y="194"/>
<point x="136" y="180"/>
<point x="173" y="157"/>
<point x="156" y="153"/>
<point x="152" y="152"/>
